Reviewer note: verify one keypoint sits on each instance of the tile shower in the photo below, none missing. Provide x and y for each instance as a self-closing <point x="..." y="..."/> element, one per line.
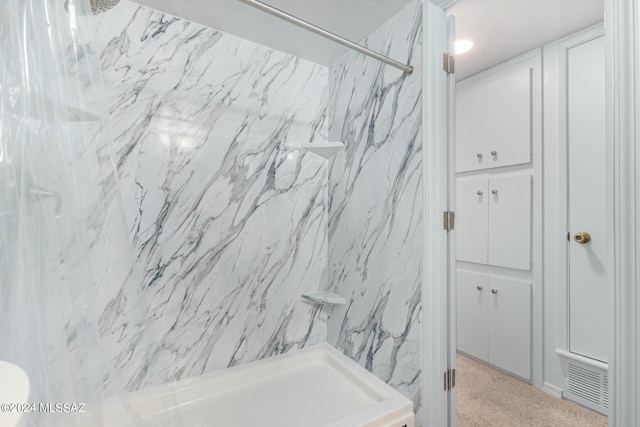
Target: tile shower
<point x="232" y="222"/>
<point x="228" y="220"/>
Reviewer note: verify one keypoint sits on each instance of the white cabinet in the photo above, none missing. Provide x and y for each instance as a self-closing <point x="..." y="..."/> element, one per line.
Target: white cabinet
<point x="494" y="321"/>
<point x="473" y="324"/>
<point x="510" y="326"/>
<point x="494" y="120"/>
<point x="472" y="214"/>
<point x="494" y="221"/>
<point x="510" y="222"/>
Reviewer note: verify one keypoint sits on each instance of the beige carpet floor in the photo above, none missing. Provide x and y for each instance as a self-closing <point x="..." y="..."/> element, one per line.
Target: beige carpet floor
<point x="486" y="397"/>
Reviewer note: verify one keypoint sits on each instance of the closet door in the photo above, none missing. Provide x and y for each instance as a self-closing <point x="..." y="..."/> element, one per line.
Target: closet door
<point x="588" y="284"/>
<point x="510" y="325"/>
<point x="510" y="222"/>
<point x="493" y="123"/>
<point x="473" y="317"/>
<point x="472" y="220"/>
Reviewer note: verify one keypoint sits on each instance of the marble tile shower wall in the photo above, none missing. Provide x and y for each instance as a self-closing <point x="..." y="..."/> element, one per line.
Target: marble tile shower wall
<point x="229" y="223"/>
<point x="375" y="206"/>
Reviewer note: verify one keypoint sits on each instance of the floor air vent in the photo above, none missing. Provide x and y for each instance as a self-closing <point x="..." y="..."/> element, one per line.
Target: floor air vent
<point x="586" y="381"/>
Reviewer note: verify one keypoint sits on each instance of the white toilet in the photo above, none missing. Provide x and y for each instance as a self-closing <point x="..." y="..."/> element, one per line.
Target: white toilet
<point x="14" y="389"/>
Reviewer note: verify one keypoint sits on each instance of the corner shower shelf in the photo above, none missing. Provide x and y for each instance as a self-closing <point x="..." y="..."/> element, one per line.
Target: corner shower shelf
<point x="324" y="149"/>
<point x="324" y="298"/>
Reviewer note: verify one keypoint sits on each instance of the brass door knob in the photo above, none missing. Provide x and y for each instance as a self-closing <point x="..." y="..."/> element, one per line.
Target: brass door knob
<point x="582" y="237"/>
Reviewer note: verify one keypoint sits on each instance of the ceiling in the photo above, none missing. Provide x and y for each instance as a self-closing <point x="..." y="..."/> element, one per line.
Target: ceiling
<point x="502" y="29"/>
<point x="353" y="19"/>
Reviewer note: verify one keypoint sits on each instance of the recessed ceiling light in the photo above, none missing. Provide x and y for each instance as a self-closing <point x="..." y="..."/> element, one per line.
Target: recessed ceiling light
<point x="462" y="46"/>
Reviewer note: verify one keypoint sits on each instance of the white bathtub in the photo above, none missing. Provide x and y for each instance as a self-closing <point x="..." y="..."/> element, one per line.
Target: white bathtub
<point x="314" y="387"/>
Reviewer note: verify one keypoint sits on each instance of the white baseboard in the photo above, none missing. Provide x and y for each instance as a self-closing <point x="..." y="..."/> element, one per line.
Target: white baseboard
<point x="552" y="390"/>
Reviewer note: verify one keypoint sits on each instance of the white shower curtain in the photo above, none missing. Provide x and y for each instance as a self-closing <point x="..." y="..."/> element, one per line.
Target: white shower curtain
<point x="64" y="246"/>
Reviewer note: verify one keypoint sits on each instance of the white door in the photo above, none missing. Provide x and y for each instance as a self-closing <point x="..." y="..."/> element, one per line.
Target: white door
<point x="472" y="212"/>
<point x="473" y="314"/>
<point x="451" y="183"/>
<point x="510" y="222"/>
<point x="439" y="292"/>
<point x="588" y="287"/>
<point x="507" y="95"/>
<point x="510" y="325"/>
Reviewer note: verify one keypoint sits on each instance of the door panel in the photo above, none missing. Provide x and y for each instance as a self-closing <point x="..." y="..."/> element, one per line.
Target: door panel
<point x="473" y="316"/>
<point x="510" y="325"/>
<point x="505" y="95"/>
<point x="588" y="290"/>
<point x="510" y="222"/>
<point x="472" y="220"/>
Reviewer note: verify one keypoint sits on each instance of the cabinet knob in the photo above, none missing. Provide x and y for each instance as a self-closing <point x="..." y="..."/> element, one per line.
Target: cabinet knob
<point x="494" y="191"/>
<point x="494" y="291"/>
<point x="479" y="155"/>
<point x="480" y="193"/>
<point x="479" y="288"/>
<point x="494" y="153"/>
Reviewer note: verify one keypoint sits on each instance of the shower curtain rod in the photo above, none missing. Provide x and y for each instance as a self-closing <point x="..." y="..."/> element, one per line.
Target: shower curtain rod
<point x="327" y="34"/>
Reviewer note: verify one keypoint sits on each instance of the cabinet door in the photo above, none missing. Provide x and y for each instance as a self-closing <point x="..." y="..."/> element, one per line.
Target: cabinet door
<point x="494" y="120"/>
<point x="472" y="220"/>
<point x="510" y="222"/>
<point x="510" y="325"/>
<point x="473" y="316"/>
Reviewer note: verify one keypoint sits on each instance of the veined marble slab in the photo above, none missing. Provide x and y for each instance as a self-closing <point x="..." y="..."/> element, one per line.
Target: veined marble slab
<point x="229" y="223"/>
<point x="375" y="205"/>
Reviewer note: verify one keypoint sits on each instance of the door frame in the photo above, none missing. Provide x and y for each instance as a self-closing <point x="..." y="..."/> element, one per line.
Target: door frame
<point x="622" y="18"/>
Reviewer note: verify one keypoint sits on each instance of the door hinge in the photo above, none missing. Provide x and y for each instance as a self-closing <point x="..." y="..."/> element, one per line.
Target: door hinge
<point x="449" y="220"/>
<point x="449" y="63"/>
<point x="449" y="379"/>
